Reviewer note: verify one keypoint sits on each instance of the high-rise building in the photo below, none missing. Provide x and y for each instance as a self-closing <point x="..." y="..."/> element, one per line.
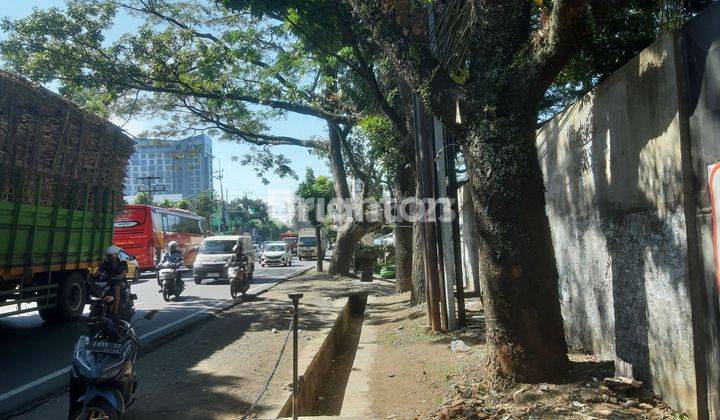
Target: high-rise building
<point x="181" y="166"/>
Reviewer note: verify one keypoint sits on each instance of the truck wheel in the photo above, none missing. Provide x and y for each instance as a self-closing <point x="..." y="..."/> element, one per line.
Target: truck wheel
<point x="71" y="296"/>
<point x="136" y="276"/>
<point x="49" y="314"/>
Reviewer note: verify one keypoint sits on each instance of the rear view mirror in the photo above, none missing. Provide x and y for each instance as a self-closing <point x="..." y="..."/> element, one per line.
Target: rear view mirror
<point x="150" y="314"/>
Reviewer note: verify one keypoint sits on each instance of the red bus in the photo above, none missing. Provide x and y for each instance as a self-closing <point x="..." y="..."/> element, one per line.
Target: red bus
<point x="145" y="231"/>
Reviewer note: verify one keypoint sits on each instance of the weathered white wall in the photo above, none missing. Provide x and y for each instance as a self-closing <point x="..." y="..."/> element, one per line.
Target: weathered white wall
<point x="612" y="166"/>
<point x="468" y="241"/>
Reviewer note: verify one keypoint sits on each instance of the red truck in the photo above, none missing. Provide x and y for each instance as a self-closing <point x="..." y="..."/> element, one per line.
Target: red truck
<point x="290" y="238"/>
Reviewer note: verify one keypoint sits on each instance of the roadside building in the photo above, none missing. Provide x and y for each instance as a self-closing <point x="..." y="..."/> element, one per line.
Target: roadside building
<point x="180" y="167"/>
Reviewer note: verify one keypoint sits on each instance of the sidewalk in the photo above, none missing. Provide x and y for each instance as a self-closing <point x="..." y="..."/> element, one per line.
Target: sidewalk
<point x="400" y="368"/>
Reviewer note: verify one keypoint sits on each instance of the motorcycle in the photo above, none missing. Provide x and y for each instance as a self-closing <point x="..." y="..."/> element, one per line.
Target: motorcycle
<point x="101" y="290"/>
<point x="171" y="284"/>
<point x="102" y="379"/>
<point x="239" y="281"/>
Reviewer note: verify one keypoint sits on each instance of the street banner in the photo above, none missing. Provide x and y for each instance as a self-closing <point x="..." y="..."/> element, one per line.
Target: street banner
<point x="714" y="180"/>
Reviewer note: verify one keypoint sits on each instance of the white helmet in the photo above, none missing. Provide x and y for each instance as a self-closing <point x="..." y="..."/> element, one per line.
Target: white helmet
<point x="112" y="249"/>
<point x="173" y="246"/>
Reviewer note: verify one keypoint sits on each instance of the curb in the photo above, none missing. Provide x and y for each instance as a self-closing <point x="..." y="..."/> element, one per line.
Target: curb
<point x="56" y="385"/>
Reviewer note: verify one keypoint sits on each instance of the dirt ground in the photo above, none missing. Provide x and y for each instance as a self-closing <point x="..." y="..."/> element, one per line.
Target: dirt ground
<point x="416" y="375"/>
<point x="413" y="365"/>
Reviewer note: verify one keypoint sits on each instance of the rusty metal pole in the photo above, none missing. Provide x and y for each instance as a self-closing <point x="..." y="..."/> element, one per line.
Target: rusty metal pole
<point x="318" y="247"/>
<point x="452" y="194"/>
<point x="423" y="134"/>
<point x="295" y="403"/>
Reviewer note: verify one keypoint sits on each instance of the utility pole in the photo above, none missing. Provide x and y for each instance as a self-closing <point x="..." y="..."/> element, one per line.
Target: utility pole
<point x="450" y="155"/>
<point x="423" y="138"/>
<point x="219" y="176"/>
<point x="151" y="187"/>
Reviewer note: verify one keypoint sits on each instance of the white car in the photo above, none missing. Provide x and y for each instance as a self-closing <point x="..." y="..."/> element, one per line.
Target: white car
<point x="276" y="253"/>
<point x="215" y="252"/>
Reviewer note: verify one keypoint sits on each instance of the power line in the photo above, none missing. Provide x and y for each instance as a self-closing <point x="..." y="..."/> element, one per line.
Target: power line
<point x="219" y="175"/>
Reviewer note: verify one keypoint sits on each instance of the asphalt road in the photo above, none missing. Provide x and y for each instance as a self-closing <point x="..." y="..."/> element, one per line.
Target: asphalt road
<point x="35" y="356"/>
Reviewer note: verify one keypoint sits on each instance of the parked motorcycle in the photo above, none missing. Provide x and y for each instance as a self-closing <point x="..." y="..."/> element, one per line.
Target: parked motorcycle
<point x="239" y="281"/>
<point x="171" y="283"/>
<point x="102" y="379"/>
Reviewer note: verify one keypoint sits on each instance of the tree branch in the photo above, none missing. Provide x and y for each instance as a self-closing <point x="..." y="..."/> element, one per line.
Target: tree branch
<point x="151" y="10"/>
<point x="407" y="47"/>
<point x="259" y="139"/>
<point x="559" y="39"/>
<point x="566" y="31"/>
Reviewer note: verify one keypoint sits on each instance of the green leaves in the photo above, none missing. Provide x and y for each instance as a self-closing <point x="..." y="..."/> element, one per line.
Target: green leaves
<point x="192" y="63"/>
<point x="263" y="160"/>
<point x="320" y="189"/>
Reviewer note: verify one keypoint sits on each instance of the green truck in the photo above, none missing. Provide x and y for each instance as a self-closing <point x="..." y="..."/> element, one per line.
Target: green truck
<point x="61" y="175"/>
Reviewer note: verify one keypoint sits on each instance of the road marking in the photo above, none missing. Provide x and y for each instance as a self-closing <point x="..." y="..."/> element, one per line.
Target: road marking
<point x="178" y="321"/>
<point x="67" y="369"/>
<point x="34" y="383"/>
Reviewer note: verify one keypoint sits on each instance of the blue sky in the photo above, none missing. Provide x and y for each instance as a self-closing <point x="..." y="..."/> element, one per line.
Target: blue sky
<point x="238" y="180"/>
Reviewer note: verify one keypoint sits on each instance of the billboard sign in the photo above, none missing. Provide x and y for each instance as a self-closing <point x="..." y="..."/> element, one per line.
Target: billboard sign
<point x="714" y="181"/>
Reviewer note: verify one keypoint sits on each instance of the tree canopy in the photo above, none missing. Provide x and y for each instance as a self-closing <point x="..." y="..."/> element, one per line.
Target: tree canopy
<point x="318" y="192"/>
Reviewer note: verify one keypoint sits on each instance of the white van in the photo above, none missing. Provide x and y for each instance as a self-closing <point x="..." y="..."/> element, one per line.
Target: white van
<point x="216" y="251"/>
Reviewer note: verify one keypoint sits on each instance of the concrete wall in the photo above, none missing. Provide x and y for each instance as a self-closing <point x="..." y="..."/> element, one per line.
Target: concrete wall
<point x="614" y="179"/>
<point x="468" y="241"/>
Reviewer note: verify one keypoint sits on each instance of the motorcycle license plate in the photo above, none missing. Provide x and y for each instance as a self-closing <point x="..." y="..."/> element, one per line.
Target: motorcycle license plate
<point x="102" y="346"/>
<point x="213" y="274"/>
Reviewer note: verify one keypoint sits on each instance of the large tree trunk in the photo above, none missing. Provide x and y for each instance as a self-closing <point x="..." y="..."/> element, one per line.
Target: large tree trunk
<point x="403" y="229"/>
<point x="348" y="236"/>
<point x="519" y="278"/>
<point x="419" y="287"/>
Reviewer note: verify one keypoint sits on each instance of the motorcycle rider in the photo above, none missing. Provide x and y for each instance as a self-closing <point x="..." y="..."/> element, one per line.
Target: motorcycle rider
<point x="173" y="256"/>
<point x="116" y="271"/>
<point x="239" y="258"/>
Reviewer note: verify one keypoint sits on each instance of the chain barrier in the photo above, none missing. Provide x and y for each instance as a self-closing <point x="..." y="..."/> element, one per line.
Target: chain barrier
<point x="251" y="410"/>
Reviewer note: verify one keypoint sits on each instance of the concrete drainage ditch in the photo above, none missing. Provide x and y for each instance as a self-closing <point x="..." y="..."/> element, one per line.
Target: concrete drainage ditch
<point x="322" y="385"/>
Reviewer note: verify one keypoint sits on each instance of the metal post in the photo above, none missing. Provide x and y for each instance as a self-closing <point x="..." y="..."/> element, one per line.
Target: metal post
<point x="450" y="154"/>
<point x="295" y="403"/>
<point x="423" y="135"/>
<point x="318" y="244"/>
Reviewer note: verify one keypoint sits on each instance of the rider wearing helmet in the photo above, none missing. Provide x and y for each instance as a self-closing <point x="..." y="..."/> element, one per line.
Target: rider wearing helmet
<point x="116" y="271"/>
<point x="172" y="256"/>
<point x="239" y="257"/>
